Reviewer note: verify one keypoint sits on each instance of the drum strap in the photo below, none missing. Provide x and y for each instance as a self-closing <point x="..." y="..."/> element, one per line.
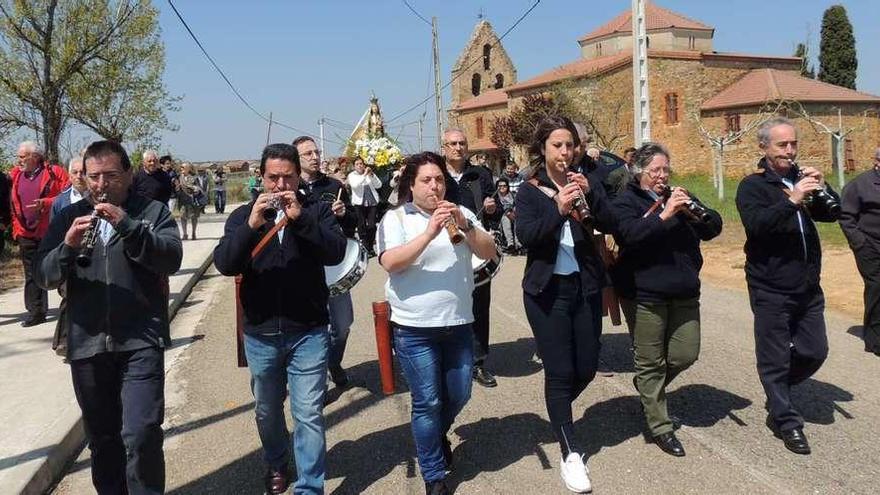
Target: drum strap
<point x="268" y="237"/>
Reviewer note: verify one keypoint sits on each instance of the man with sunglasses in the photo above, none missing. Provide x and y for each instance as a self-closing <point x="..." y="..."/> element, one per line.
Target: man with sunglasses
<point x="317" y="186"/>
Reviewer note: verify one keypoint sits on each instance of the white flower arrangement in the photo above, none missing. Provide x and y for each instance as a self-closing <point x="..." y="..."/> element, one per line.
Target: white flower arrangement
<point x="378" y="152"/>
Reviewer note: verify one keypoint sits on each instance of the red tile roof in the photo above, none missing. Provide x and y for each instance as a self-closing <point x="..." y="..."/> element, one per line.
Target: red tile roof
<point x="656" y="17"/>
<point x="578" y="68"/>
<point x="487" y="99"/>
<point x="760" y="86"/>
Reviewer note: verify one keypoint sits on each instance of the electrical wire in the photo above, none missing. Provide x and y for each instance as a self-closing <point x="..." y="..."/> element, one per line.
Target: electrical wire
<point x="420" y="103"/>
<point x="420" y="16"/>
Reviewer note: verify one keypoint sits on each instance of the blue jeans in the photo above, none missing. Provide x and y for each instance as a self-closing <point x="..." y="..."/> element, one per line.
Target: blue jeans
<point x="437" y="363"/>
<point x="297" y="359"/>
<point x="341" y="318"/>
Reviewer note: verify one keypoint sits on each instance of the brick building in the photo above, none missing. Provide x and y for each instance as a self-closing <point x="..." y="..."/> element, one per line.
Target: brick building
<point x="691" y="86"/>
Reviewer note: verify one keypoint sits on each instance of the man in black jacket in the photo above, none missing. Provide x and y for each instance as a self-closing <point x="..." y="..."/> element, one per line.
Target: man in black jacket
<point x="473" y="187"/>
<point x="151" y="181"/>
<point x="778" y="206"/>
<point x="117" y="318"/>
<point x="284" y="297"/>
<point x="860" y="222"/>
<point x="318" y="187"/>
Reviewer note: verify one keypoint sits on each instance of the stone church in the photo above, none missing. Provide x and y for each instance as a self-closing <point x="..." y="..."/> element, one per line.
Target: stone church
<point x="694" y="92"/>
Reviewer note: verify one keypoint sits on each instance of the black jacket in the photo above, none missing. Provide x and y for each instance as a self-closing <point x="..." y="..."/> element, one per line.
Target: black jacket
<point x="475" y="185"/>
<point x="155" y="186"/>
<point x="5" y="205"/>
<point x="658" y="260"/>
<point x="119" y="303"/>
<point x="539" y="228"/>
<point x="326" y="189"/>
<point x="860" y="211"/>
<point x="778" y="258"/>
<point x="283" y="288"/>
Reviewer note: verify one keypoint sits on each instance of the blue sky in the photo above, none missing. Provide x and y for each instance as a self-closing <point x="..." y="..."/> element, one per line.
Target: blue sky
<point x="307" y="58"/>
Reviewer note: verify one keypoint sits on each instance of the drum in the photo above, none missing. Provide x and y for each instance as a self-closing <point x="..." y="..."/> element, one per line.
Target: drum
<point x="342" y="277"/>
<point x="484" y="270"/>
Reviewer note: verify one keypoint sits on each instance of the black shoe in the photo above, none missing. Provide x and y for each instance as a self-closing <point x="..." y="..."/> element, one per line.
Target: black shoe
<point x="484" y="378"/>
<point x="338" y="376"/>
<point x="436" y="488"/>
<point x="277" y="481"/>
<point x="32" y="320"/>
<point x="669" y="444"/>
<point x="795" y="440"/>
<point x="447" y="452"/>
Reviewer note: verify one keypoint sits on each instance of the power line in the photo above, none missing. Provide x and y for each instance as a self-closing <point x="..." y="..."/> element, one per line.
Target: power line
<point x="420" y="16"/>
<point x="420" y="103"/>
<point x="226" y="79"/>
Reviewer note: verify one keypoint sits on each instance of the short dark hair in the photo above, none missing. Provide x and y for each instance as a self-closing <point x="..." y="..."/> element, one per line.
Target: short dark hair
<point x="281" y="151"/>
<point x="100" y="149"/>
<point x="542" y="132"/>
<point x="502" y="181"/>
<point x="629" y="150"/>
<point x="302" y="139"/>
<point x="412" y="164"/>
<point x="645" y="154"/>
<point x="164" y="159"/>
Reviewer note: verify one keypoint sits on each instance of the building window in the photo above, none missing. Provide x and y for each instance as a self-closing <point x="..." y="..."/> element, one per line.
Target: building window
<point x="487" y="51"/>
<point x="598" y="49"/>
<point x="671" y="108"/>
<point x="732" y="120"/>
<point x="647" y="41"/>
<point x="692" y="43"/>
<point x="499" y="81"/>
<point x="475" y="85"/>
<point x="479" y="127"/>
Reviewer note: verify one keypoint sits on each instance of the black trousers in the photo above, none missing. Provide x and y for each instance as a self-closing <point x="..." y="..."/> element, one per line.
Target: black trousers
<point x="36" y="300"/>
<point x="567" y="325"/>
<point x="121" y="395"/>
<point x="366" y="218"/>
<point x="790" y="345"/>
<point x="868" y="262"/>
<point x="482" y="300"/>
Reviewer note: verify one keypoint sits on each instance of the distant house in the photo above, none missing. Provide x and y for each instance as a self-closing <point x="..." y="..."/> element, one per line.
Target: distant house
<point x="690" y="85"/>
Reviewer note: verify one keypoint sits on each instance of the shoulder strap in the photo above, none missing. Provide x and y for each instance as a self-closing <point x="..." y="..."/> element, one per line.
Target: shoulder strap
<point x="544" y="189"/>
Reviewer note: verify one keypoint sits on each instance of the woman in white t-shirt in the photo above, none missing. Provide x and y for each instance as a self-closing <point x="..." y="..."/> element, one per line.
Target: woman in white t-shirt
<point x="429" y="287"/>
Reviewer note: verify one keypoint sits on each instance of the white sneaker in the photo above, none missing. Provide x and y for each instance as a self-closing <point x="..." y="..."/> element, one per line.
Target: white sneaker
<point x="575" y="474"/>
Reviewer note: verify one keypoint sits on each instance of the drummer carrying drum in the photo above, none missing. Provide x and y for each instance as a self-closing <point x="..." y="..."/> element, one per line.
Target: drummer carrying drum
<point x="285" y="338"/>
<point x="425" y="245"/>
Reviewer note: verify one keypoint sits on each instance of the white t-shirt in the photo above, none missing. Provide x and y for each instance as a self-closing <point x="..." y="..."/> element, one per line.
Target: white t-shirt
<point x="566" y="262"/>
<point x="435" y="291"/>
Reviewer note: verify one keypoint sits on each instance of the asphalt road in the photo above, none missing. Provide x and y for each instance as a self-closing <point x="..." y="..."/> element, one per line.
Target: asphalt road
<point x="502" y="440"/>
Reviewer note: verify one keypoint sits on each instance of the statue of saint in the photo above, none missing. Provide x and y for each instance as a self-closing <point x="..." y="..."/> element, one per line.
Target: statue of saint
<point x="375" y="126"/>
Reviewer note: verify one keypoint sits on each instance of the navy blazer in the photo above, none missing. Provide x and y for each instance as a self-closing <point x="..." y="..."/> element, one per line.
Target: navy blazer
<point x="61" y="202"/>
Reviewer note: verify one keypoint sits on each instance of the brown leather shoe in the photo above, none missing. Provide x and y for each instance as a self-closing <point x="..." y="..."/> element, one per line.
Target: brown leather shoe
<point x="277" y="481"/>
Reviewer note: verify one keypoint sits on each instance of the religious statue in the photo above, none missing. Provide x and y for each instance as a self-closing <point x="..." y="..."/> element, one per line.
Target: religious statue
<point x="375" y="126"/>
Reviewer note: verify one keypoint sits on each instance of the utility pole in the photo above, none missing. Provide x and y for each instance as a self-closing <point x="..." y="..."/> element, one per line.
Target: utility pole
<point x="269" y="130"/>
<point x="321" y="127"/>
<point x="438" y="99"/>
<point x="641" y="106"/>
<point x="421" y="123"/>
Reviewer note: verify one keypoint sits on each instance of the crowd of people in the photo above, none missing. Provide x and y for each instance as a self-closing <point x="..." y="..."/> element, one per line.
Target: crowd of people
<point x="446" y="210"/>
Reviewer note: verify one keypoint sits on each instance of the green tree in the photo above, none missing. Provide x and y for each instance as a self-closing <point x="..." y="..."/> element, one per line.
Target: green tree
<point x="807" y="69"/>
<point x="50" y="48"/>
<point x="837" y="49"/>
<point x="121" y="96"/>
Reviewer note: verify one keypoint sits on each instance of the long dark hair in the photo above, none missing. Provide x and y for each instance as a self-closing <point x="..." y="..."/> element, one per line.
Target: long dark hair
<point x="412" y="164"/>
<point x="542" y="132"/>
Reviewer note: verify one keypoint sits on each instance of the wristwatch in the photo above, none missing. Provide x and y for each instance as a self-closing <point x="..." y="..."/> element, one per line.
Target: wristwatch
<point x="467" y="227"/>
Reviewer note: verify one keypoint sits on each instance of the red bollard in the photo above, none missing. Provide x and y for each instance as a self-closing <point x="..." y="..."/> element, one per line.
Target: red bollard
<point x="381" y="317"/>
<point x="239" y="327"/>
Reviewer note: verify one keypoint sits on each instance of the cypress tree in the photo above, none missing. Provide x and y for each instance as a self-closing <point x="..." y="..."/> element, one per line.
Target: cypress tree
<point x="837" y="49"/>
<point x="806" y="67"/>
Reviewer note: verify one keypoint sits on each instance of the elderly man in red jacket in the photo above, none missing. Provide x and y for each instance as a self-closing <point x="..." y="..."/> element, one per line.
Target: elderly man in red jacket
<point x="35" y="183"/>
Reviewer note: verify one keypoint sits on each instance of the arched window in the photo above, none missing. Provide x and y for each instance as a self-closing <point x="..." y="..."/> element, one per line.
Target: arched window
<point x="475" y="85"/>
<point x="487" y="50"/>
<point x="499" y="81"/>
